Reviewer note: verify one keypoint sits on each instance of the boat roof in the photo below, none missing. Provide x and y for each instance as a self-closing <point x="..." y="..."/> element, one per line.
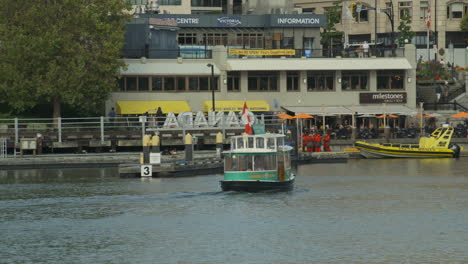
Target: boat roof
<point x="261" y="135"/>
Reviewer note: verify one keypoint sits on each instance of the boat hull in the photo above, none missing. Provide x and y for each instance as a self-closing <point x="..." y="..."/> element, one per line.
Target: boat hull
<point x="257" y="186"/>
<point x="379" y="151"/>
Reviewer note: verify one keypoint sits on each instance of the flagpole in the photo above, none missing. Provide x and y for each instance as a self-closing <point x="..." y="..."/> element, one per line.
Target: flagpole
<point x="428" y="25"/>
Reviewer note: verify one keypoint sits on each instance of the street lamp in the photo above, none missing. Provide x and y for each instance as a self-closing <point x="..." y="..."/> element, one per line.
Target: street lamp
<point x="212" y="86"/>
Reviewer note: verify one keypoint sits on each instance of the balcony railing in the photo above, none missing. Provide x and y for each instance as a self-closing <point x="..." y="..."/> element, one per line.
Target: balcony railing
<point x="187" y="53"/>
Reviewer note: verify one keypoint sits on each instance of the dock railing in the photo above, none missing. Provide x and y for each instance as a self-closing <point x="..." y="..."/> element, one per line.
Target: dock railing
<point x="3" y="148"/>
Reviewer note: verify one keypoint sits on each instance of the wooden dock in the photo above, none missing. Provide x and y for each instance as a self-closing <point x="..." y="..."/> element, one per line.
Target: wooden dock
<point x="212" y="165"/>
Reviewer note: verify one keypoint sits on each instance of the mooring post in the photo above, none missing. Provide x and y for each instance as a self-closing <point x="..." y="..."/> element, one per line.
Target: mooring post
<point x="102" y="130"/>
<point x="387" y="134"/>
<point x="353" y="133"/>
<point x="155" y="155"/>
<point x="59" y="124"/>
<point x="146" y="148"/>
<point x="219" y="145"/>
<point x="16" y="132"/>
<point x="188" y="148"/>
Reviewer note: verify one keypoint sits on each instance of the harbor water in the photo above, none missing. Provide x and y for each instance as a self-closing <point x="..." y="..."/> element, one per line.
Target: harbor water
<point x="363" y="211"/>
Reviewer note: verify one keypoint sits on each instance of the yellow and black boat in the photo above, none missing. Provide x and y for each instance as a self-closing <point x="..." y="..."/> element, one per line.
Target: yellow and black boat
<point x="436" y="146"/>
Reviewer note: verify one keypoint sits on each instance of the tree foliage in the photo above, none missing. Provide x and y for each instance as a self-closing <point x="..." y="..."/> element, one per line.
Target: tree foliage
<point x="330" y="33"/>
<point x="404" y="29"/>
<point x="464" y="24"/>
<point x="60" y="52"/>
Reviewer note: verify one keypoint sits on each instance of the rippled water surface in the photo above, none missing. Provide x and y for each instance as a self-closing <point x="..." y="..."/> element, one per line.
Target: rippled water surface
<point x="363" y="211"/>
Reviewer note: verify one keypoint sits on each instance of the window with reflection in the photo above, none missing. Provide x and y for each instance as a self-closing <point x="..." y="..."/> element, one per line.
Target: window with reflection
<point x="260" y="142"/>
<point x="264" y="162"/>
<point x="354" y="80"/>
<point x="320" y="81"/>
<point x="271" y="143"/>
<point x="390" y="80"/>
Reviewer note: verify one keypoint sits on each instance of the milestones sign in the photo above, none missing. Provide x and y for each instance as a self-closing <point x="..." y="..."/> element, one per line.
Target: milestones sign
<point x="379" y="98"/>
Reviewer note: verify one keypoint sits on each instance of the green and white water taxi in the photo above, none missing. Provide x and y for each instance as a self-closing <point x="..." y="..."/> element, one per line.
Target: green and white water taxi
<point x="257" y="163"/>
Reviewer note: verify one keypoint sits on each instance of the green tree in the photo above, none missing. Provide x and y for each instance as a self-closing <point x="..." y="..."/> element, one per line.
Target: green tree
<point x="404" y="29"/>
<point x="60" y="52"/>
<point x="464" y="24"/>
<point x="330" y="34"/>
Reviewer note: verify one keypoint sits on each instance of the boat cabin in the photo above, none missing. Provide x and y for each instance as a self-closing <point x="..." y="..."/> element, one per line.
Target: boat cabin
<point x="265" y="152"/>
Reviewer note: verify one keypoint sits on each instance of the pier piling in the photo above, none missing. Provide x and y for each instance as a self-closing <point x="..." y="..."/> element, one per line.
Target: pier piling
<point x="219" y="145"/>
<point x="188" y="141"/>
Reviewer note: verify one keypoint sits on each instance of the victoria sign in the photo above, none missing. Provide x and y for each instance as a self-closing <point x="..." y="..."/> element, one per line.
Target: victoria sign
<point x="379" y="98"/>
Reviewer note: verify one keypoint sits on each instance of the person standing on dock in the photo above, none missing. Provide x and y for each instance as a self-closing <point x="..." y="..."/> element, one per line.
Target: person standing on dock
<point x="326" y="142"/>
<point x="112" y="115"/>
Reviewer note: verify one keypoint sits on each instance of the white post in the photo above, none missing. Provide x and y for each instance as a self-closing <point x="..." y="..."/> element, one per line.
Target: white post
<point x="421" y="120"/>
<point x="16" y="131"/>
<point x="59" y="123"/>
<point x="102" y="130"/>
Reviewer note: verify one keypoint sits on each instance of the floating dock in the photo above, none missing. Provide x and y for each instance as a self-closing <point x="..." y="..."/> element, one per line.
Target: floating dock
<point x="212" y="165"/>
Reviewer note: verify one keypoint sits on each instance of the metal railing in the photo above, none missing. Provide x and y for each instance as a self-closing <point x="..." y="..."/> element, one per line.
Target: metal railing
<point x="187" y="53"/>
<point x="454" y="106"/>
<point x="327" y="53"/>
<point x="3" y="148"/>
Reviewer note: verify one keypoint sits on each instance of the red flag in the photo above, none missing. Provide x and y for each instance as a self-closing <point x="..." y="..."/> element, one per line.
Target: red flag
<point x="246" y="118"/>
<point x="428" y="18"/>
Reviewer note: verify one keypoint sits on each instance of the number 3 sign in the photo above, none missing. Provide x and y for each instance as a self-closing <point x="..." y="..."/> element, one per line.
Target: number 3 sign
<point x="146" y="170"/>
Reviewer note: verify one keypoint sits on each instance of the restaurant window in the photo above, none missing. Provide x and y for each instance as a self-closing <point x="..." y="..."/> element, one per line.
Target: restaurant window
<point x="455" y="10"/>
<point x="354" y="80"/>
<point x="201" y="83"/>
<point x="292" y="81"/>
<point x="143" y="83"/>
<point x="169" y="83"/>
<point x="131" y="83"/>
<point x="250" y="40"/>
<point x="120" y="84"/>
<point x="320" y="81"/>
<point x="390" y="80"/>
<point x="157" y="84"/>
<point x="214" y="39"/>
<point x="187" y="39"/>
<point x="423" y="10"/>
<point x="181" y="83"/>
<point x="233" y="81"/>
<point x="263" y="81"/>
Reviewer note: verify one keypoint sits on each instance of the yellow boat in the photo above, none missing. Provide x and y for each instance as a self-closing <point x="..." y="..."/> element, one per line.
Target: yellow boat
<point x="436" y="146"/>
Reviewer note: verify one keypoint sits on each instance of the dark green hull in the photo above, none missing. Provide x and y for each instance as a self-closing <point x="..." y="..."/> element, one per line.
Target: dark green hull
<point x="257" y="186"/>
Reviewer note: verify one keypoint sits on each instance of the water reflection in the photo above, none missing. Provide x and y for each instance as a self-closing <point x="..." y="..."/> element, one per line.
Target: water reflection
<point x="363" y="211"/>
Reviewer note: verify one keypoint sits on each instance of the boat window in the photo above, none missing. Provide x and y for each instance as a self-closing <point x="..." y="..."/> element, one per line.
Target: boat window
<point x="270" y="161"/>
<point x="271" y="143"/>
<point x="233" y="144"/>
<point x="250" y="142"/>
<point x="404" y="146"/>
<point x="245" y="163"/>
<point x="386" y="145"/>
<point x="260" y="142"/>
<point x="240" y="143"/>
<point x="231" y="163"/>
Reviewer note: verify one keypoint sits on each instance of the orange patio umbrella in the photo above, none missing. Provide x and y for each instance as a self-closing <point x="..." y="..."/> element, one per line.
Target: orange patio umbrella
<point x="285" y="116"/>
<point x="460" y="115"/>
<point x="303" y="116"/>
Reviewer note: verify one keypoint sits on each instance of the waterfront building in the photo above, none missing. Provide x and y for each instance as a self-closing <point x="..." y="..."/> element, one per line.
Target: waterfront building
<point x="371" y="26"/>
<point x="274" y="61"/>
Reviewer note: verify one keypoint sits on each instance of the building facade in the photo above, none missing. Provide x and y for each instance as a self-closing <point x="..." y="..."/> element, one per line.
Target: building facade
<point x="371" y="26"/>
<point x="274" y="62"/>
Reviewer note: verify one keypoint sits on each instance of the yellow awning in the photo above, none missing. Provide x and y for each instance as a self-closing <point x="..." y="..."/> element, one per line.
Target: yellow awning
<point x="236" y="106"/>
<point x="141" y="107"/>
